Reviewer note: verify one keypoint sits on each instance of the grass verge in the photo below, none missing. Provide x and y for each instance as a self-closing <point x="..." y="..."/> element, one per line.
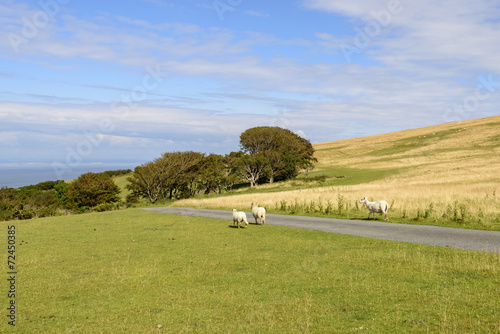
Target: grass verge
<point x="130" y="271"/>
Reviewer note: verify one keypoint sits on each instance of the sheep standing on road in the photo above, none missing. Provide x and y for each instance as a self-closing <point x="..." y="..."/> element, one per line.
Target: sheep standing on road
<point x="239" y="216"/>
<point x="375" y="207"/>
<point x="258" y="213"/>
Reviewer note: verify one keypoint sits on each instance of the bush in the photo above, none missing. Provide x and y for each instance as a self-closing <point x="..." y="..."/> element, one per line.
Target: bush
<point x="91" y="190"/>
<point x="104" y="207"/>
<point x="132" y="198"/>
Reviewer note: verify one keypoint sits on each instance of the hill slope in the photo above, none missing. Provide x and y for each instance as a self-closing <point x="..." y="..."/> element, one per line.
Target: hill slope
<point x="460" y="152"/>
<point x="444" y="175"/>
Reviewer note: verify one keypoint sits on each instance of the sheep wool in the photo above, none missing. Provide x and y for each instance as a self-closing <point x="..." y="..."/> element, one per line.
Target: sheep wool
<point x="258" y="213"/>
<point x="239" y="216"/>
<point x="375" y="207"/>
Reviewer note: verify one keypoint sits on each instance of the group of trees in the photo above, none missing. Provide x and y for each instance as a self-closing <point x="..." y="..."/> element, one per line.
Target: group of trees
<point x="90" y="190"/>
<point x="267" y="154"/>
<point x="32" y="201"/>
<point x="181" y="175"/>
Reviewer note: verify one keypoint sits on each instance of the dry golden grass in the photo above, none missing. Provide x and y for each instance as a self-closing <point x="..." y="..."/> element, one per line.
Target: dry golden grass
<point x="455" y="148"/>
<point x="480" y="202"/>
<point x="453" y="168"/>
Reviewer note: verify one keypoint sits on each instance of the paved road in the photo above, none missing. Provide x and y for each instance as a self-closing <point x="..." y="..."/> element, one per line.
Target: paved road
<point x="488" y="241"/>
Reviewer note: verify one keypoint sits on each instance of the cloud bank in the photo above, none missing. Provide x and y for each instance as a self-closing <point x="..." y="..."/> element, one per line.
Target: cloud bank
<point x="123" y="87"/>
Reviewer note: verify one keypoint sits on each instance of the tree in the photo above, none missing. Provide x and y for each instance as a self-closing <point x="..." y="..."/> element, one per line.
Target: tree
<point x="48" y="185"/>
<point x="41" y="204"/>
<point x="212" y="173"/>
<point x="173" y="173"/>
<point x="286" y="152"/>
<point x="232" y="170"/>
<point x="28" y="202"/>
<point x="253" y="167"/>
<point x="260" y="139"/>
<point x="92" y="189"/>
<point x="147" y="181"/>
<point x="187" y="174"/>
<point x="61" y="189"/>
<point x="8" y="203"/>
<point x="275" y="163"/>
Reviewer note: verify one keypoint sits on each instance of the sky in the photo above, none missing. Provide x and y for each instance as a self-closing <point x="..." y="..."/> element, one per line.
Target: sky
<point x="120" y="82"/>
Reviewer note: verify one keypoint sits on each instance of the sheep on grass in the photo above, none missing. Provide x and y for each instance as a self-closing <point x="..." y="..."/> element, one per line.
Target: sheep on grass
<point x="239" y="216"/>
<point x="375" y="207"/>
<point x="258" y="213"/>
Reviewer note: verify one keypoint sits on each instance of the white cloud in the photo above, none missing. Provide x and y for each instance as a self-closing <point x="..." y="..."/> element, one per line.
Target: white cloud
<point x="414" y="35"/>
<point x="406" y="76"/>
<point x="138" y="43"/>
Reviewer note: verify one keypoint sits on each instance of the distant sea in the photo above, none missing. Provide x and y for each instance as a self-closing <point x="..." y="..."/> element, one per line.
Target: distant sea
<point x="25" y="175"/>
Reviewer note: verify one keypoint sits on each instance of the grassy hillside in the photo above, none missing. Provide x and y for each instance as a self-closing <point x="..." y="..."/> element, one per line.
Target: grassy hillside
<point x="121" y="182"/>
<point x="443" y="175"/>
<point x="451" y="153"/>
<point x="130" y="271"/>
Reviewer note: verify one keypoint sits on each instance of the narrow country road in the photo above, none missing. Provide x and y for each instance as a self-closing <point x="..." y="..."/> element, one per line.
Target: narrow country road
<point x="487" y="241"/>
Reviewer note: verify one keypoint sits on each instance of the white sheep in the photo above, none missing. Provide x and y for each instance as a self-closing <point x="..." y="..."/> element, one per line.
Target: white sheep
<point x="239" y="216"/>
<point x="375" y="207"/>
<point x="258" y="213"/>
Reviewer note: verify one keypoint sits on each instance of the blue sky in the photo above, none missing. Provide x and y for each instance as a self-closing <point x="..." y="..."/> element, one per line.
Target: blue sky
<point x="88" y="82"/>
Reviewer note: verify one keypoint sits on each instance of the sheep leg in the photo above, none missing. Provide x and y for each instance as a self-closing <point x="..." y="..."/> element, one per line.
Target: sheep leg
<point x="262" y="221"/>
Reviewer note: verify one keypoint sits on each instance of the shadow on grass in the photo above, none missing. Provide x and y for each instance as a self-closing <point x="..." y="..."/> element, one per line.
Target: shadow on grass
<point x="243" y="226"/>
<point x="236" y="227"/>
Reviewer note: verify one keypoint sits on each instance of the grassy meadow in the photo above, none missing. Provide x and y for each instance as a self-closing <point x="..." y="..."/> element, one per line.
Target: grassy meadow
<point x="133" y="271"/>
<point x="441" y="175"/>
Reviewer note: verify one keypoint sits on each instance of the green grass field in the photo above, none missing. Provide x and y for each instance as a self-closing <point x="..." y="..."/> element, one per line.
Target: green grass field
<point x="130" y="271"/>
<point x="122" y="182"/>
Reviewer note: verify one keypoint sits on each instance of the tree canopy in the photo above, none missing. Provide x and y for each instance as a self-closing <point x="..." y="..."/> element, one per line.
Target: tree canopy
<point x="285" y="152"/>
<point x="92" y="189"/>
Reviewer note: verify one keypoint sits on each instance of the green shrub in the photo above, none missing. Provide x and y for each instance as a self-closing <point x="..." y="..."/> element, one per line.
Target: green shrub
<point x="91" y="190"/>
<point x="104" y="207"/>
